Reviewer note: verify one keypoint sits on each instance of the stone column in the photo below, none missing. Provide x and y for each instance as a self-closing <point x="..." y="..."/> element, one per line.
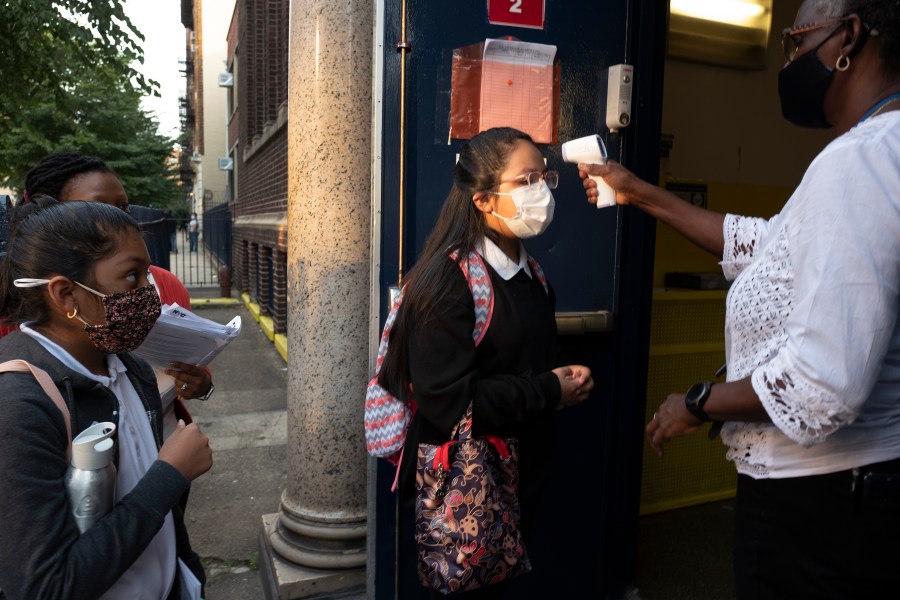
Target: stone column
<point x="319" y="535"/>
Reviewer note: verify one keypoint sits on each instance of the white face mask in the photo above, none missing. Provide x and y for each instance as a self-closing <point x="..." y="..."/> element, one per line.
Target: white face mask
<point x="534" y="210"/>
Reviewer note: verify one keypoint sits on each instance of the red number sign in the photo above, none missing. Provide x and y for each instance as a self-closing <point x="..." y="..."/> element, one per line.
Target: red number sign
<point x="518" y="13"/>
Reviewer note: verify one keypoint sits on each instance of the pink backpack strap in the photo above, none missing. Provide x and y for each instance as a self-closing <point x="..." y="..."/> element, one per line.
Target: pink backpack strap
<point x="21" y="366"/>
<point x="538" y="272"/>
<point x="479" y="281"/>
<point x="386" y="332"/>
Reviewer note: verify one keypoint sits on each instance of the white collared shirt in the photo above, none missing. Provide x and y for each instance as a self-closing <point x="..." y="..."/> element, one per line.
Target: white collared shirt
<point x="501" y="263"/>
<point x="152" y="574"/>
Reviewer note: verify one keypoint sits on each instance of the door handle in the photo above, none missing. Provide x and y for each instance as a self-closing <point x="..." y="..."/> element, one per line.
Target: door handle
<point x="579" y="323"/>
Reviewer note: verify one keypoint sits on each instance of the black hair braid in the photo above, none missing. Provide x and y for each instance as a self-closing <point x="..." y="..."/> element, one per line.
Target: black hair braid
<point x="51" y="174"/>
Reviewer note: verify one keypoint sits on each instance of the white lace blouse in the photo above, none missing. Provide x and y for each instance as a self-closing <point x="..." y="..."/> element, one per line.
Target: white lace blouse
<point x="812" y="313"/>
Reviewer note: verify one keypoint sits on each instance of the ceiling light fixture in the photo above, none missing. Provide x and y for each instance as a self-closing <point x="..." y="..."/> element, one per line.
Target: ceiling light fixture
<point x="743" y="13"/>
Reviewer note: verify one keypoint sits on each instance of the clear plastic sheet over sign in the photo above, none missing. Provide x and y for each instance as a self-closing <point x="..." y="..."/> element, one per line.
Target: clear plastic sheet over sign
<point x="514" y="84"/>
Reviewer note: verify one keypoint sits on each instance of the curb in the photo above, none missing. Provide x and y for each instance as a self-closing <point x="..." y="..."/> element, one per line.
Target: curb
<point x="214" y="302"/>
<point x="265" y="323"/>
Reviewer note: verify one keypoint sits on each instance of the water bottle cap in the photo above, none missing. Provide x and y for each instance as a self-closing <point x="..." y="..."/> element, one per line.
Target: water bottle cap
<point x="93" y="448"/>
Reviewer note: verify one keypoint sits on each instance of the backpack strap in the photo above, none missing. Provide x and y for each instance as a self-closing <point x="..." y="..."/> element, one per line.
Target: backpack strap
<point x="386" y="332"/>
<point x="479" y="281"/>
<point x="21" y="366"/>
<point x="538" y="272"/>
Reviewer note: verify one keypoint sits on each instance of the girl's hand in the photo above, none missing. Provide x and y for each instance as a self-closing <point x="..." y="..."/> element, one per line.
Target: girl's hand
<point x="575" y="384"/>
<point x="191" y="381"/>
<point x="187" y="449"/>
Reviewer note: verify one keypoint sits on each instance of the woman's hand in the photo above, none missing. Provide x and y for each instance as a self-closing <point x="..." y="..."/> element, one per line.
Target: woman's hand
<point x="672" y="419"/>
<point x="187" y="449"/>
<point x="575" y="383"/>
<point x="700" y="226"/>
<point x="191" y="381"/>
<point x="626" y="183"/>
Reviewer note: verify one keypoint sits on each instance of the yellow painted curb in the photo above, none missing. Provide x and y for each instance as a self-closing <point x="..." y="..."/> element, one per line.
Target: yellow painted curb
<point x="281" y="345"/>
<point x="213" y="302"/>
<point x="254" y="311"/>
<point x="268" y="327"/>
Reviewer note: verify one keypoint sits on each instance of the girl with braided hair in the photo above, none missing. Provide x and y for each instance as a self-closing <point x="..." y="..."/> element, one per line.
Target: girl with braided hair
<point x="73" y="176"/>
<point x="56" y="174"/>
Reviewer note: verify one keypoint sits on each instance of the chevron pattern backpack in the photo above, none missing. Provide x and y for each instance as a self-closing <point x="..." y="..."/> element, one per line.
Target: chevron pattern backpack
<point x="387" y="418"/>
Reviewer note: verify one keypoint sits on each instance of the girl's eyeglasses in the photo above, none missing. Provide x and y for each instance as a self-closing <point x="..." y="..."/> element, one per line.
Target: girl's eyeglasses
<point x="551" y="178"/>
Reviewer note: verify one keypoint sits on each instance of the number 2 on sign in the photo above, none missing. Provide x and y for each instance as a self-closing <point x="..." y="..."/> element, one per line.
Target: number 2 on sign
<point x="516" y="6"/>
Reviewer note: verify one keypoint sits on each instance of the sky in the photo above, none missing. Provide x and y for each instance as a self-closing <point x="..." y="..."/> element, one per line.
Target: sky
<point x="160" y="22"/>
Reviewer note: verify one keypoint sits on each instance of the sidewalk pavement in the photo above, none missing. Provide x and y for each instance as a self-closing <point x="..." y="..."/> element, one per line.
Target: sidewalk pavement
<point x="245" y="421"/>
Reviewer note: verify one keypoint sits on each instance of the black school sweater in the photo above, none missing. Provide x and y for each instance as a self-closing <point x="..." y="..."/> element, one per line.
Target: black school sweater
<point x="507" y="376"/>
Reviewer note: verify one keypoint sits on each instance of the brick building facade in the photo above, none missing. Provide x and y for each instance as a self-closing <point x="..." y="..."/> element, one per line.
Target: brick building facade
<point x="257" y="134"/>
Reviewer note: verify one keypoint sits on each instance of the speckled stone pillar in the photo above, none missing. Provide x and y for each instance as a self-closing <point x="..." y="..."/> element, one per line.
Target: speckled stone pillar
<point x="321" y="528"/>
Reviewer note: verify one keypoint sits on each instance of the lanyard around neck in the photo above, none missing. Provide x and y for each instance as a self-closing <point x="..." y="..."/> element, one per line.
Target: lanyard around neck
<point x="877" y="108"/>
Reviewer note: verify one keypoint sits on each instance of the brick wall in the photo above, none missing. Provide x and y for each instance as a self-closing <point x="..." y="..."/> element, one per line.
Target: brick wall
<point x="262" y="178"/>
<point x="259" y="37"/>
<point x="262" y="41"/>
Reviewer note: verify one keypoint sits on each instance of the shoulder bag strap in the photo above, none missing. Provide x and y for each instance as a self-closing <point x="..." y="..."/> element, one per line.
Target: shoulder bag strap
<point x="21" y="366"/>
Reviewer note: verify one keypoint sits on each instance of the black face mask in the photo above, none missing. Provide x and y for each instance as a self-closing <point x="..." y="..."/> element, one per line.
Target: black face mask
<point x="802" y="86"/>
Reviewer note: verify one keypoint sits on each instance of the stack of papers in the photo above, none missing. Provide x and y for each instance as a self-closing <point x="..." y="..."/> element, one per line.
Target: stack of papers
<point x="180" y="335"/>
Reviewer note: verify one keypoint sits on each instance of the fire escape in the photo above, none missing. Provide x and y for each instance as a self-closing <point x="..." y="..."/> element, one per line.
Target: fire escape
<point x="186" y="109"/>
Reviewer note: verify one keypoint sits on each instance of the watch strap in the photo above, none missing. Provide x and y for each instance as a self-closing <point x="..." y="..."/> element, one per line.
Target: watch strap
<point x="208" y="393"/>
<point x="696" y="397"/>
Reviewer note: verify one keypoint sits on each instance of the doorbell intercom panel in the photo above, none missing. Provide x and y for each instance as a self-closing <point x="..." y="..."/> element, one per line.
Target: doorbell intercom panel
<point x="618" y="97"/>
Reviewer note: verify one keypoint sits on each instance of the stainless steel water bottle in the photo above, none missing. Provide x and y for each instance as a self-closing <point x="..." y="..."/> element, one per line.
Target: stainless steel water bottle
<point x="91" y="477"/>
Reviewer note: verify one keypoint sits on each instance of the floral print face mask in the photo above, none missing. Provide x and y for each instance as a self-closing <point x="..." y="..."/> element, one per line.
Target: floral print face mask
<point x="129" y="318"/>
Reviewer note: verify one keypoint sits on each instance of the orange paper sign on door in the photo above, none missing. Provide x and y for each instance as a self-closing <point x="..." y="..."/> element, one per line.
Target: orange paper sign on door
<point x="517" y="88"/>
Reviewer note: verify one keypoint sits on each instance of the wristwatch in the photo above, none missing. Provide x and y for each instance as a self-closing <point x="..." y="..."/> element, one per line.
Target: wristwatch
<point x="206" y="396"/>
<point x="696" y="397"/>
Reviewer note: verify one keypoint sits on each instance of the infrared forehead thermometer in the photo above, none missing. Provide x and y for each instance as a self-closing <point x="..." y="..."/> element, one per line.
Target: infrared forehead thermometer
<point x="591" y="150"/>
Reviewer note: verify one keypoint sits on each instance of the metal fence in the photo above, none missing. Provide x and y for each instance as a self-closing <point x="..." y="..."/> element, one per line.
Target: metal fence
<point x="170" y="247"/>
<point x="217" y="233"/>
<point x="155" y="225"/>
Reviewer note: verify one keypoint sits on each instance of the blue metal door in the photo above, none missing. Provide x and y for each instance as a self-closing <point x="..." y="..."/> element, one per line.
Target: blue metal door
<point x="598" y="260"/>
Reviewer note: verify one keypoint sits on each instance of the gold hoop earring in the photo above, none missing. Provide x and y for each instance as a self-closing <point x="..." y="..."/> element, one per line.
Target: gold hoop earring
<point x="73" y="314"/>
<point x="842" y="66"/>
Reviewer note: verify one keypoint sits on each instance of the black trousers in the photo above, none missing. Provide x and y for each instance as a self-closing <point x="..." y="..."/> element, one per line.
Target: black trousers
<point x="834" y="536"/>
